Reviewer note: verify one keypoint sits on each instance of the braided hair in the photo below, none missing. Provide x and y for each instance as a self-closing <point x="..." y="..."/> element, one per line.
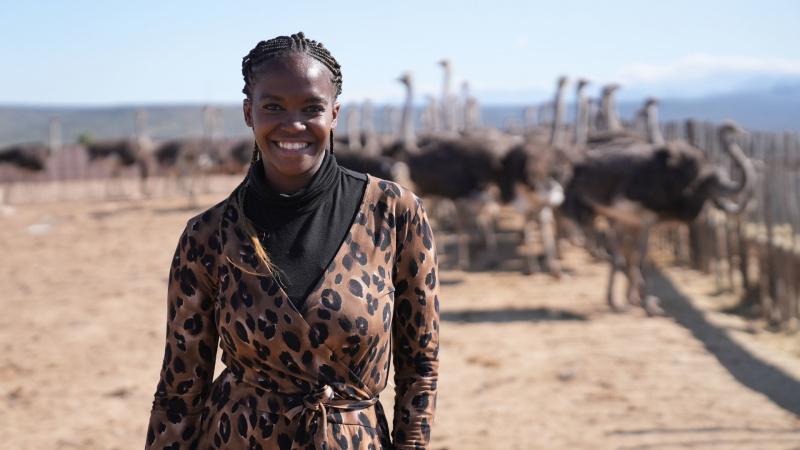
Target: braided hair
<point x="264" y="51"/>
<point x="283" y="46"/>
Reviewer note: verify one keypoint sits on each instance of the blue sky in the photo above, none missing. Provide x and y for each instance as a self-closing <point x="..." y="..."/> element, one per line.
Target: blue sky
<point x="164" y="52"/>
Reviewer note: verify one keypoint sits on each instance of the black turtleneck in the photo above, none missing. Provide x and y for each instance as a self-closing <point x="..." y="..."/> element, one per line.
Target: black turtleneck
<point x="303" y="231"/>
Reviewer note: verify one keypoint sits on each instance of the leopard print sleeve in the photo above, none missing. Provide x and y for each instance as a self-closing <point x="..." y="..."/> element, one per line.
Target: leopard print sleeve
<point x="415" y="330"/>
<point x="191" y="341"/>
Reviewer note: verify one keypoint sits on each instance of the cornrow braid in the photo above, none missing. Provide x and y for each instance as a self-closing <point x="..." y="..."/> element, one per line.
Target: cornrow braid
<point x="285" y="45"/>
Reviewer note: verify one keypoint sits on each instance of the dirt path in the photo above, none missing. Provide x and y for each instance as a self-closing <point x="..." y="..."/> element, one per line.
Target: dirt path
<point x="526" y="362"/>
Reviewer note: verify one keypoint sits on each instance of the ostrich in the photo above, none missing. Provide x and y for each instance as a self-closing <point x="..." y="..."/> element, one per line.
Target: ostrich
<point x="371" y="141"/>
<point x="472" y="109"/>
<point x="431" y="117"/>
<point x="449" y="102"/>
<point x="30" y="158"/>
<point x="639" y="185"/>
<point x="610" y="131"/>
<point x="188" y="160"/>
<point x="350" y="154"/>
<point x="353" y="120"/>
<point x="237" y="158"/>
<point x="651" y="120"/>
<point x="454" y="168"/>
<point x="530" y="117"/>
<point x="376" y="165"/>
<point x="127" y="152"/>
<point x="607" y="119"/>
<point x="533" y="175"/>
<point x="649" y="131"/>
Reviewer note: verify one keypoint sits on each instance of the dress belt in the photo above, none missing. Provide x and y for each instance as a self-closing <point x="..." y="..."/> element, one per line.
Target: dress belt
<point x="314" y="408"/>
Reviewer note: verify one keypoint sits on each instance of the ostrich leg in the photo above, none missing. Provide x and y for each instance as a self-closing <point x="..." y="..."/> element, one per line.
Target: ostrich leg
<point x="617" y="260"/>
<point x="462" y="234"/>
<point x="546" y="224"/>
<point x="636" y="252"/>
<point x="531" y="257"/>
<point x="485" y="223"/>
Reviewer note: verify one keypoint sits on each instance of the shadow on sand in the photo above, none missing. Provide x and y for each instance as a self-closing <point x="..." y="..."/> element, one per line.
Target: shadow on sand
<point x="752" y="372"/>
<point x="509" y="315"/>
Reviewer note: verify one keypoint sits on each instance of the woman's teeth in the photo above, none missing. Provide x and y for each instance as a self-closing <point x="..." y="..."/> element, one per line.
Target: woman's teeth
<point x="292" y="145"/>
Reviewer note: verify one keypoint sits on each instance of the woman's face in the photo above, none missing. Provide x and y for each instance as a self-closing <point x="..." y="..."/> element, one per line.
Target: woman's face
<point x="292" y="112"/>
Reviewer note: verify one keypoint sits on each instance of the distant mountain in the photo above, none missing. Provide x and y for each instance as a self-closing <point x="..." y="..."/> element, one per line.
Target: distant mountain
<point x="720" y="84"/>
<point x="764" y="104"/>
<point x="24" y="123"/>
<point x="774" y="107"/>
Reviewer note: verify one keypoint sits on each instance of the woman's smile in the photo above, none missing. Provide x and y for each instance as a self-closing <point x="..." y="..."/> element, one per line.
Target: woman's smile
<point x="292" y="146"/>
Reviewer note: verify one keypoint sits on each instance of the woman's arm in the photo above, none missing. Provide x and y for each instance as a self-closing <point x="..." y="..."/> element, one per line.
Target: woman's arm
<point x="191" y="345"/>
<point x="415" y="329"/>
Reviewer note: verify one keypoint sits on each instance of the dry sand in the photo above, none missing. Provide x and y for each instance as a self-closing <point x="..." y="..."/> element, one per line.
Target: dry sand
<point x="527" y="362"/>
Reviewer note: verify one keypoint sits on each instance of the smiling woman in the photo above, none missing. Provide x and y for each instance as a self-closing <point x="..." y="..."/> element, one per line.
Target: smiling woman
<point x="309" y="277"/>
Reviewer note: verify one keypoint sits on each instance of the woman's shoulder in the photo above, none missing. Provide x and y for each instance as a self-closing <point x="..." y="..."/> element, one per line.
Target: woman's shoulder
<point x="208" y="220"/>
<point x="391" y="193"/>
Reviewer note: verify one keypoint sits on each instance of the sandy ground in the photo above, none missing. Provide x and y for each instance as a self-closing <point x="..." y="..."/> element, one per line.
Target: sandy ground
<point x="527" y="362"/>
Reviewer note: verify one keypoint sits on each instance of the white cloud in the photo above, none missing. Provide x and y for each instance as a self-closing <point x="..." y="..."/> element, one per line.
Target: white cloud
<point x="700" y="66"/>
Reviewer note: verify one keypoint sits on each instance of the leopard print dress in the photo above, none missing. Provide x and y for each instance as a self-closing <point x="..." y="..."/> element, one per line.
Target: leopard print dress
<point x="310" y="378"/>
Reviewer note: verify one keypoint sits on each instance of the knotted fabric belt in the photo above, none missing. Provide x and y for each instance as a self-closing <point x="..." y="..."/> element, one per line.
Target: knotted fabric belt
<point x="315" y="408"/>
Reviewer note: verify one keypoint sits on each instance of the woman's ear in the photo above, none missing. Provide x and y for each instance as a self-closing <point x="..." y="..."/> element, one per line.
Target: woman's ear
<point x="247" y="108"/>
<point x="335" y="112"/>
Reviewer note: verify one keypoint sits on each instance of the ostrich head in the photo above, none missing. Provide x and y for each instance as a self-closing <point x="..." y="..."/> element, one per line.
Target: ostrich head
<point x="729" y="129"/>
<point x="610" y="88"/>
<point x="608" y="91"/>
<point x="607" y="107"/>
<point x="406" y="79"/>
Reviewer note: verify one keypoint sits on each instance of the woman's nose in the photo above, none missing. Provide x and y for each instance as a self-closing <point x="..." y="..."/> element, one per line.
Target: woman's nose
<point x="293" y="122"/>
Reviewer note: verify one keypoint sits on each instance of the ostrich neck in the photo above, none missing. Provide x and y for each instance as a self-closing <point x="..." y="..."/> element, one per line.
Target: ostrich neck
<point x="582" y="119"/>
<point x="726" y="187"/>
<point x="653" y="130"/>
<point x="368" y="126"/>
<point x="209" y="125"/>
<point x="609" y="111"/>
<point x="446" y="87"/>
<point x="55" y="134"/>
<point x="354" y="129"/>
<point x="558" y="116"/>
<point x="408" y="137"/>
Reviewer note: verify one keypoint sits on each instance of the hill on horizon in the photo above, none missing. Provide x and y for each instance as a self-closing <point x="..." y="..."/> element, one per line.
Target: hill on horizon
<point x="776" y="109"/>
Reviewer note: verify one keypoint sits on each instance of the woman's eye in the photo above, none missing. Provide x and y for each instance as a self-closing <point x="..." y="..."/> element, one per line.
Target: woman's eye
<point x="315" y="109"/>
<point x="272" y="107"/>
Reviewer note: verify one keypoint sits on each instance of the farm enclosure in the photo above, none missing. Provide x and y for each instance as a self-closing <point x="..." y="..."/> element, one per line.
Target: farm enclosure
<point x="525" y="363"/>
